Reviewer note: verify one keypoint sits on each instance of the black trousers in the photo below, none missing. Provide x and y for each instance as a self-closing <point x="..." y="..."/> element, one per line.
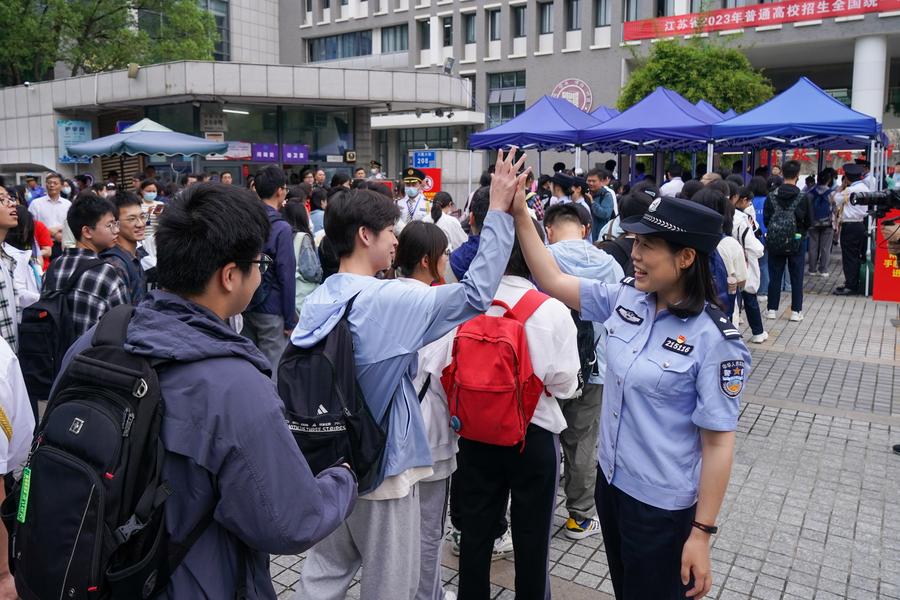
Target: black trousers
<point x="853" y="253"/>
<point x="485" y="476"/>
<point x="643" y="544"/>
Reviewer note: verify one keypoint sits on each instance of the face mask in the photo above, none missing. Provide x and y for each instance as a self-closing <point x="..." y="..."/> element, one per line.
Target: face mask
<point x="149" y="196"/>
<point x="66" y="191"/>
<point x="412" y="192"/>
<point x="28" y="195"/>
<point x="373" y="171"/>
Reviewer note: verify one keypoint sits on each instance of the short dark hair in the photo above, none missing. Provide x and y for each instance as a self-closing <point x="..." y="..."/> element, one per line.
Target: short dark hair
<point x="825" y="177"/>
<point x="268" y="180"/>
<point x="54" y="175"/>
<point x="380" y="188"/>
<point x="774" y="182"/>
<point x="600" y="173"/>
<point x="721" y="186"/>
<point x="567" y="212"/>
<point x="758" y="186"/>
<point x="736" y="179"/>
<point x="610" y="165"/>
<point x="790" y="169"/>
<point x="691" y="187"/>
<point x="206" y="227"/>
<point x="485" y="179"/>
<point x="516" y="265"/>
<point x="481" y="203"/>
<point x="87" y="212"/>
<point x="301" y="191"/>
<point x="125" y="198"/>
<point x="147" y="183"/>
<point x="675" y="170"/>
<point x="316" y="198"/>
<point x="351" y="209"/>
<point x="559" y="166"/>
<point x="417" y="240"/>
<point x="640" y="167"/>
<point x="339" y="179"/>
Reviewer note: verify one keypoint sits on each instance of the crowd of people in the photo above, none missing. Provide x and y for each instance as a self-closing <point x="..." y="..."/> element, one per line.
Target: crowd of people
<point x="624" y="295"/>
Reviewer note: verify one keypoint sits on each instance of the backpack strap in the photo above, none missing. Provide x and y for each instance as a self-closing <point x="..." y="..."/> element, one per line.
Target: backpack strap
<point x="526" y="305"/>
<point x="728" y="330"/>
<point x="78" y="272"/>
<point x="424" y="389"/>
<point x="113" y="326"/>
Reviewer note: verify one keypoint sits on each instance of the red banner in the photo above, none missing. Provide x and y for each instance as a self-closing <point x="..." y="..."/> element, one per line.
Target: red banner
<point x="432" y="183"/>
<point x="755" y="15"/>
<point x="887" y="267"/>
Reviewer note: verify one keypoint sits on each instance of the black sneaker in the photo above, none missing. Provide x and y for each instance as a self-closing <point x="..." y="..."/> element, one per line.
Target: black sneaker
<point x="896" y="448"/>
<point x="844" y="291"/>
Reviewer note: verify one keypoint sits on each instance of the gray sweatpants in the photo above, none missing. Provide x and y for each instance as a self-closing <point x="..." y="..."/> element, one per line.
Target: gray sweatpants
<point x="267" y="332"/>
<point x="820" y="239"/>
<point x="433" y="504"/>
<point x="579" y="446"/>
<point x="382" y="536"/>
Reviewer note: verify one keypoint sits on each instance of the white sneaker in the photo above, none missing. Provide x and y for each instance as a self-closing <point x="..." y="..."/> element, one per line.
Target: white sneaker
<point x="503" y="546"/>
<point x="771" y="314"/>
<point x="823" y="274"/>
<point x="797" y="316"/>
<point x="448" y="595"/>
<point x="759" y="339"/>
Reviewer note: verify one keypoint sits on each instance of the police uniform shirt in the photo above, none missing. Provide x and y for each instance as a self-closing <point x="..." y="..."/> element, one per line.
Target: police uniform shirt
<point x="414" y="209"/>
<point x="667" y="378"/>
<point x="851" y="213"/>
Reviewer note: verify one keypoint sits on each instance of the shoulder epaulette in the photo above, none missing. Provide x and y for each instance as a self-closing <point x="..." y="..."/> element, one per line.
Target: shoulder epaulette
<point x="628" y="281"/>
<point x="729" y="331"/>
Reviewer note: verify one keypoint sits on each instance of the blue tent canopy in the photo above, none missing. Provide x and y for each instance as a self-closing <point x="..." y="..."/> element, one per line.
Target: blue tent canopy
<point x="712" y="110"/>
<point x="147" y="137"/>
<point x="662" y="120"/>
<point x="548" y="123"/>
<point x="801" y="116"/>
<point x="604" y="113"/>
<point x="730" y="113"/>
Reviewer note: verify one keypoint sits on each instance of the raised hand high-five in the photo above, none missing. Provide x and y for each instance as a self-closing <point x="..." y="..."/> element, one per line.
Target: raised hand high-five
<point x="506" y="182"/>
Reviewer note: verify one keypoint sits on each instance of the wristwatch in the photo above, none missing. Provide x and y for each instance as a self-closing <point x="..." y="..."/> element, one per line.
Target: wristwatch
<point x="710" y="529"/>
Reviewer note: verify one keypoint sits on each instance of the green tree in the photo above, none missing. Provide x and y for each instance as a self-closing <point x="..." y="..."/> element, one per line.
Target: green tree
<point x="88" y="36"/>
<point x="698" y="70"/>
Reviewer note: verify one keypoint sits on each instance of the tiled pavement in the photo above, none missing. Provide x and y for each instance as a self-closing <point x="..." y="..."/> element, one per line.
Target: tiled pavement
<point x="813" y="507"/>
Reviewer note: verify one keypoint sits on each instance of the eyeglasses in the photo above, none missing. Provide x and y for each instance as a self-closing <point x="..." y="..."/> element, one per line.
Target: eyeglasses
<point x="265" y="261"/>
<point x="112" y="226"/>
<point x="8" y="201"/>
<point x="134" y="219"/>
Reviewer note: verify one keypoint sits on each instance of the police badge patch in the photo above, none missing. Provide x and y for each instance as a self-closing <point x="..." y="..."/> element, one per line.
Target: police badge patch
<point x="731" y="377"/>
<point x="629" y="316"/>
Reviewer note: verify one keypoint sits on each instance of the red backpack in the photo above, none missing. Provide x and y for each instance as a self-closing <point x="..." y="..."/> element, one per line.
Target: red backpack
<point x="491" y="388"/>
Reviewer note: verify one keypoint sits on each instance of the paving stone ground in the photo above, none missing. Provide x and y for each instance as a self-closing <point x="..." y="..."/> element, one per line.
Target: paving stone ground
<point x="813" y="507"/>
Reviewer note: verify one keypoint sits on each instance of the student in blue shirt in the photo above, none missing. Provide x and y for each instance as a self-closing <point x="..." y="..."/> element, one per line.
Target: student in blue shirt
<point x="390" y="321"/>
<point x="676" y="369"/>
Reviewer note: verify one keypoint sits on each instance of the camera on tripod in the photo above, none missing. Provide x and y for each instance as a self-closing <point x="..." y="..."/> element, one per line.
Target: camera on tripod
<point x="879" y="203"/>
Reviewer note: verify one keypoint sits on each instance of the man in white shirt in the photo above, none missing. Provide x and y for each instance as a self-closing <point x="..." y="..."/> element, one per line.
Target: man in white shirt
<point x="868" y="178"/>
<point x="51" y="210"/>
<point x="853" y="230"/>
<point x="413" y="206"/>
<point x="16" y="431"/>
<point x="673" y="186"/>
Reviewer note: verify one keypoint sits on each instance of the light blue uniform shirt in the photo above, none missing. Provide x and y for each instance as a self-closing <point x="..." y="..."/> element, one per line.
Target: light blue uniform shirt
<point x="667" y="378"/>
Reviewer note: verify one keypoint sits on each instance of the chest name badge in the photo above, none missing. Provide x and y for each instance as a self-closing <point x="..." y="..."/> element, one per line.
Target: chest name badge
<point x="629" y="316"/>
<point x="731" y="377"/>
<point x="678" y="346"/>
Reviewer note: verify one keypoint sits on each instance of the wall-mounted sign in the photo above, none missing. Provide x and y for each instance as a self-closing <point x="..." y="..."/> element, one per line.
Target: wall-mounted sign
<point x="294" y="154"/>
<point x="70" y="132"/>
<point x="752" y="15"/>
<point x="264" y="152"/>
<point x="424" y="159"/>
<point x="575" y="91"/>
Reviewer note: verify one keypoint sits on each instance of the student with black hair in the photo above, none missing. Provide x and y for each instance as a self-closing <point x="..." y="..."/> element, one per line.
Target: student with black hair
<point x="390" y="321"/>
<point x="730" y="249"/>
<point x="99" y="288"/>
<point x="309" y="269"/>
<point x="677" y="367"/>
<point x="461" y="257"/>
<point x="421" y="260"/>
<point x="126" y="254"/>
<point x="272" y="314"/>
<point x="441" y="206"/>
<point x="318" y="201"/>
<point x="674" y="182"/>
<point x="340" y="180"/>
<point x="229" y="452"/>
<point x="27" y="270"/>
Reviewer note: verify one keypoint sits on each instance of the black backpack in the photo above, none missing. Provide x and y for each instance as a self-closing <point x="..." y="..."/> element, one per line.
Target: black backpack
<point x="781" y="233"/>
<point x="267" y="282"/>
<point x="325" y="408"/>
<point x="87" y="519"/>
<point x="45" y="334"/>
<point x="587" y="350"/>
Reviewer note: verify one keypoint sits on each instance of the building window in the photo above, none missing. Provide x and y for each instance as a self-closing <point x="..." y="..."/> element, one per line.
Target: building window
<point x="425" y="34"/>
<point x="506" y="96"/>
<point x="494" y="25"/>
<point x="518" y="18"/>
<point x="326" y="4"/>
<point x="545" y="17"/>
<point x="666" y="8"/>
<point x="734" y="3"/>
<point x="219" y="11"/>
<point x="447" y="28"/>
<point x="631" y="10"/>
<point x="346" y="45"/>
<point x="309" y="5"/>
<point x="395" y="39"/>
<point x="416" y="138"/>
<point x="573" y="15"/>
<point x="601" y="13"/>
<point x="469" y="27"/>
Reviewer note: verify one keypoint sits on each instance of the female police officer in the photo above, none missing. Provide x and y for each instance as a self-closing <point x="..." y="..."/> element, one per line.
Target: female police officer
<point x="676" y="369"/>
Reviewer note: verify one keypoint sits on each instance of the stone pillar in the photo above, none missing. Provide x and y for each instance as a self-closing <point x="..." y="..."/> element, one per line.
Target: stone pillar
<point x="870" y="75"/>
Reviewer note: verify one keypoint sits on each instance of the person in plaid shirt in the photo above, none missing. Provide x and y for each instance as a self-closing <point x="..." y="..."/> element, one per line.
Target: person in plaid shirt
<point x="92" y="221"/>
<point x="9" y="218"/>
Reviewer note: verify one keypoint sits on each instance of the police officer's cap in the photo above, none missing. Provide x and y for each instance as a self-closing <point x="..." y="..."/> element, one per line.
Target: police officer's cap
<point x="862" y="162"/>
<point x="854" y="169"/>
<point x="681" y="221"/>
<point x="375" y="163"/>
<point x="412" y="175"/>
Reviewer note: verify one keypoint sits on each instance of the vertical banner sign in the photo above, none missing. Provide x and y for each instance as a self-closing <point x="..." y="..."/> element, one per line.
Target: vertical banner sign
<point x="887" y="267"/>
<point x="432" y="183"/>
<point x="70" y="132"/>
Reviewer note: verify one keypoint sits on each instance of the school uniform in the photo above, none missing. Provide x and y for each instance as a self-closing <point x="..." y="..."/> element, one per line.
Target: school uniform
<point x="487" y="474"/>
<point x="667" y="379"/>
